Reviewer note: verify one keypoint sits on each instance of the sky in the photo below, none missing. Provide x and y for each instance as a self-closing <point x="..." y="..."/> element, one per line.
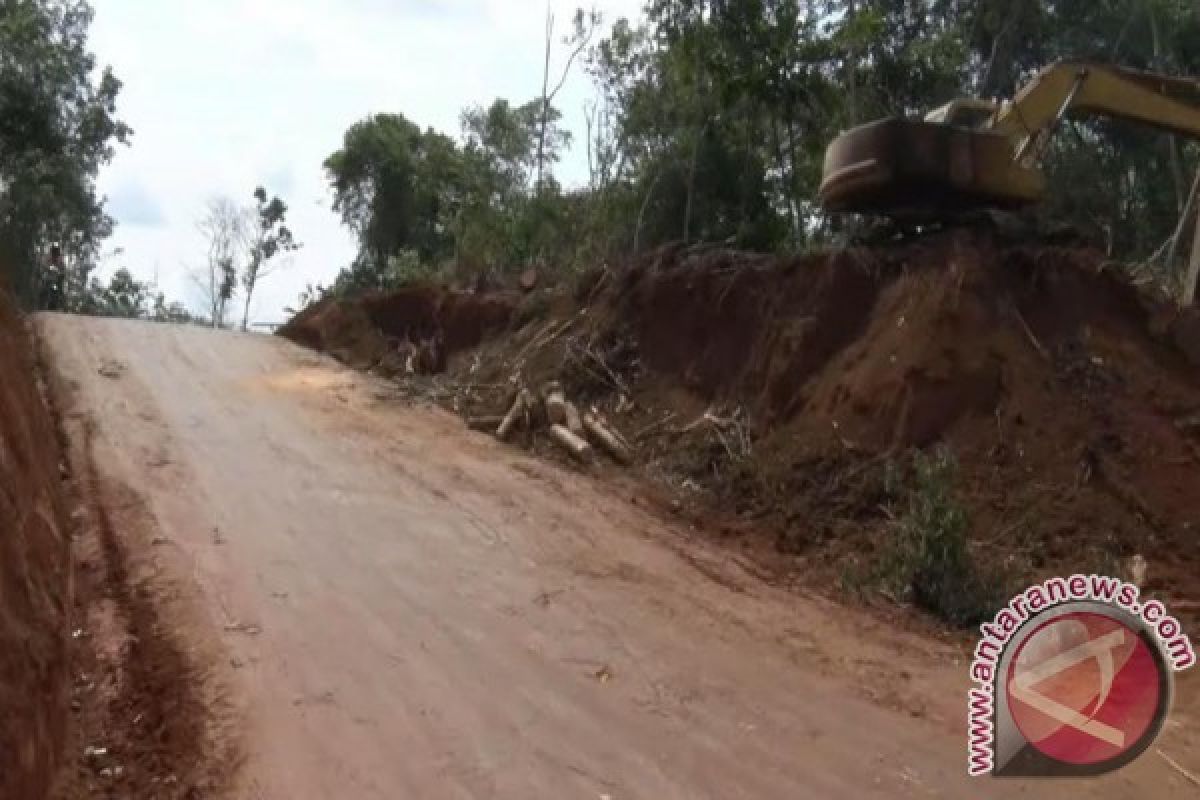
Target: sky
<point x="227" y="95"/>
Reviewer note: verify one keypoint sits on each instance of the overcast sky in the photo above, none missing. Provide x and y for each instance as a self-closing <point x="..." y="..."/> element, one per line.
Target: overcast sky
<point x="224" y="95"/>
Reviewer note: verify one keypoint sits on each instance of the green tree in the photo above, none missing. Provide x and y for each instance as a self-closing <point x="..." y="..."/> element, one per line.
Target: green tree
<point x="269" y="237"/>
<point x="173" y="312"/>
<point x="57" y="128"/>
<point x="713" y="118"/>
<point x="499" y="155"/>
<point x="123" y="296"/>
<point x="397" y="188"/>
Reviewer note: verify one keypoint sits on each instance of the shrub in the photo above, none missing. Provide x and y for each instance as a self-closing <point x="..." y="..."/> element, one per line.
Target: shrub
<point x="928" y="561"/>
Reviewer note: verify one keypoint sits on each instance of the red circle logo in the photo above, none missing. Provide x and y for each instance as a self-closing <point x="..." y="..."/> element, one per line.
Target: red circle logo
<point x="1085" y="688"/>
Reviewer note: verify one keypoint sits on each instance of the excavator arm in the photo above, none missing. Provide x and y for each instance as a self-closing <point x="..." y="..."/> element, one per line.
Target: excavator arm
<point x="949" y="163"/>
<point x="1170" y="104"/>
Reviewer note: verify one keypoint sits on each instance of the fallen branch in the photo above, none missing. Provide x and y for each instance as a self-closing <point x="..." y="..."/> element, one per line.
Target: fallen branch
<point x="519" y="408"/>
<point x="654" y="426"/>
<point x="544" y="338"/>
<point x="1029" y="333"/>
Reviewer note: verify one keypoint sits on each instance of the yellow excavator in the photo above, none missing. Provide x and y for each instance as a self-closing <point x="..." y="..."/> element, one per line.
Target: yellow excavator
<point x="975" y="154"/>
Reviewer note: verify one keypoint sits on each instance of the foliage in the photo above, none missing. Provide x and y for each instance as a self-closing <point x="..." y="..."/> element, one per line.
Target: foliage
<point x="269" y="236"/>
<point x="928" y="561"/>
<point x="173" y="312"/>
<point x="402" y="269"/>
<point x="223" y="227"/>
<point x="57" y="128"/>
<point x="396" y="188"/>
<point x="124" y="296"/>
<point x="712" y="119"/>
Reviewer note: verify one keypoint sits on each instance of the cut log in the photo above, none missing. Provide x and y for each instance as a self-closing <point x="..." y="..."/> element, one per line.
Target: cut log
<point x="555" y="402"/>
<point x="515" y="414"/>
<point x="574" y="423"/>
<point x="579" y="449"/>
<point x="607" y="439"/>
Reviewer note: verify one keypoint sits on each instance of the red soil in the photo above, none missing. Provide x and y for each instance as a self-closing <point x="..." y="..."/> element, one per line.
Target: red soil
<point x="34" y="575"/>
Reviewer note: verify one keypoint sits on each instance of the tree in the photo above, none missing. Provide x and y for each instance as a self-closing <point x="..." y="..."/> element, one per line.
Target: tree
<point x="584" y="26"/>
<point x="269" y="237"/>
<point x="224" y="228"/>
<point x="712" y="122"/>
<point x="499" y="155"/>
<point x="57" y="128"/>
<point x="124" y="296"/>
<point x="397" y="188"/>
<point x="173" y="312"/>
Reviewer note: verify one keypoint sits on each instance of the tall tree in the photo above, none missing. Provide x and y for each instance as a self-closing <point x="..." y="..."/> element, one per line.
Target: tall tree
<point x="123" y="296"/>
<point x="57" y="128"/>
<point x="583" y="28"/>
<point x="224" y="228"/>
<point x="397" y="188"/>
<point x="269" y="237"/>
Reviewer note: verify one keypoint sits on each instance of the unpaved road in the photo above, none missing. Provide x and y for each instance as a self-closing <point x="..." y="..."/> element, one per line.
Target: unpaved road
<point x="389" y="606"/>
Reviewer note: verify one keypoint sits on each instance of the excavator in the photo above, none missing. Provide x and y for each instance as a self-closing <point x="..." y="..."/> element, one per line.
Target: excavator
<point x="976" y="155"/>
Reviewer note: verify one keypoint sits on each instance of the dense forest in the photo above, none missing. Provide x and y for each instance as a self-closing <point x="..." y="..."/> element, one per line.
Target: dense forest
<point x="711" y="121"/>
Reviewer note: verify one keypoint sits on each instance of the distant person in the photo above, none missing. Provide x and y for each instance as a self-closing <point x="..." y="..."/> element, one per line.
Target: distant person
<point x="54" y="282"/>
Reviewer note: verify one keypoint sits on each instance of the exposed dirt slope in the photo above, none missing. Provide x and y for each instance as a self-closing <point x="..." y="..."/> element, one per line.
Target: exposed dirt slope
<point x="1067" y="398"/>
<point x="34" y="575"/>
<point x="409" y="330"/>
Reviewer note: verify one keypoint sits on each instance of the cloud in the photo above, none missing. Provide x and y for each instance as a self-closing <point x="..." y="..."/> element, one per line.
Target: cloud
<point x="280" y="180"/>
<point x="131" y="204"/>
<point x="225" y="95"/>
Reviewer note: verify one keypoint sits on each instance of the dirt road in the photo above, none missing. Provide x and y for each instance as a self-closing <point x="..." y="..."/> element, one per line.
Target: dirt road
<point x="388" y="606"/>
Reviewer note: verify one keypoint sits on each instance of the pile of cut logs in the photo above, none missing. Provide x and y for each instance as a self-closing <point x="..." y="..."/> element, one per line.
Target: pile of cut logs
<point x="573" y="432"/>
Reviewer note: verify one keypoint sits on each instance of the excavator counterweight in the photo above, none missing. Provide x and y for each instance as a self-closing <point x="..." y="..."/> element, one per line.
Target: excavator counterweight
<point x="899" y="167"/>
<point x="972" y="154"/>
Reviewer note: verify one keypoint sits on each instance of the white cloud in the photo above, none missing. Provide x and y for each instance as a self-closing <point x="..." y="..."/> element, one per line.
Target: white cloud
<point x="224" y="95"/>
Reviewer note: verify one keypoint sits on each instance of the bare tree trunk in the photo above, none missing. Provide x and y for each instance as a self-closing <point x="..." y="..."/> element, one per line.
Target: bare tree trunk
<point x="637" y="232"/>
<point x="246" y="307"/>
<point x="589" y="119"/>
<point x="580" y="41"/>
<point x="1186" y="219"/>
<point x="1172" y="144"/>
<point x="1188" y="295"/>
<point x="852" y="67"/>
<point x="545" y="120"/>
<point x="785" y="179"/>
<point x="691" y="188"/>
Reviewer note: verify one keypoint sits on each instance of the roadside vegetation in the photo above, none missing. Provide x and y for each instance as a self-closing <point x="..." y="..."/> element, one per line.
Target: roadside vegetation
<point x="927" y="560"/>
<point x="710" y="125"/>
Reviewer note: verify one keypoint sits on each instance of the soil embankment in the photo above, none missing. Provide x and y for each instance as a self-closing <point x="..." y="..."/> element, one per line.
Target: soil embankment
<point x="786" y="396"/>
<point x="34" y="574"/>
